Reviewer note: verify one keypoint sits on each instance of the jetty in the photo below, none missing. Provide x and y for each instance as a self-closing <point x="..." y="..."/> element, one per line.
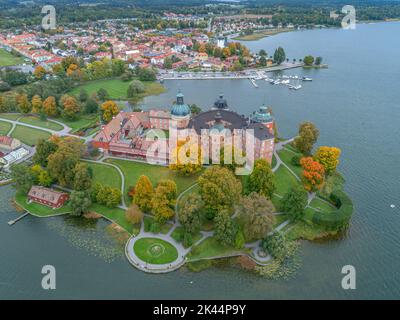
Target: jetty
<point x="12" y="222"/>
<point x="257" y="74"/>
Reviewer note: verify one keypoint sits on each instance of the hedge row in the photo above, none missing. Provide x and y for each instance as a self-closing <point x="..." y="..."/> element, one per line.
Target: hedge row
<point x="339" y="218"/>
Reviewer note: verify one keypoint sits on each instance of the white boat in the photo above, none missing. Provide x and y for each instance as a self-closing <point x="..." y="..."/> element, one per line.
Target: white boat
<point x="306" y="79"/>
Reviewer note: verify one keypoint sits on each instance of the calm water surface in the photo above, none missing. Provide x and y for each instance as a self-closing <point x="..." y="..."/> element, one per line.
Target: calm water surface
<point x="355" y="104"/>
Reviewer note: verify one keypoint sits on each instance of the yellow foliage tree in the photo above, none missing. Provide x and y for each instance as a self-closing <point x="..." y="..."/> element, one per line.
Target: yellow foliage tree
<point x="50" y="106"/>
<point x="143" y="193"/>
<point x="37" y="104"/>
<point x="328" y="157"/>
<point x="39" y="72"/>
<point x="186" y="158"/>
<point x="109" y="110"/>
<point x="23" y="103"/>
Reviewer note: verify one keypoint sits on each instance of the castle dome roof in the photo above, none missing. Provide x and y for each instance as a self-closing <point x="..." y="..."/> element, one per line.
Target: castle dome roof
<point x="179" y="108"/>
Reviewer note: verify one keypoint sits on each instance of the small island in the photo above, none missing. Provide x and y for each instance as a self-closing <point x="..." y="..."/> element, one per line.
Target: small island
<point x="177" y="214"/>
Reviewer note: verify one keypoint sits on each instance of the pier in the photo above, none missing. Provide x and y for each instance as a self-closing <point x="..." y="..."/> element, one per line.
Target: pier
<point x="256" y="74"/>
<point x="12" y="222"/>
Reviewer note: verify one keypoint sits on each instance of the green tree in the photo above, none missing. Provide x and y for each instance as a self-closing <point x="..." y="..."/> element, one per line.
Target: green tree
<point x="308" y="136"/>
<point x="294" y="203"/>
<point x="82" y="178"/>
<point x="135" y="88"/>
<point x="44" y="149"/>
<point x="102" y="94"/>
<point x="80" y="202"/>
<point x="263" y="53"/>
<point x="219" y="189"/>
<point x="262" y="179"/>
<point x="146" y="74"/>
<point x="263" y="61"/>
<point x="91" y="106"/>
<point x="189" y="213"/>
<point x="143" y="193"/>
<point x="83" y="95"/>
<point x="255" y="215"/>
<point x="308" y="60"/>
<point x="279" y="55"/>
<point x="225" y="228"/>
<point x="61" y="164"/>
<point x="23" y="177"/>
<point x="318" y="61"/>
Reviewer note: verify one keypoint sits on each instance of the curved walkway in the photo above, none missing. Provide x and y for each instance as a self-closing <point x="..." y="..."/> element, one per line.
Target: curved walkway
<point x="123" y="206"/>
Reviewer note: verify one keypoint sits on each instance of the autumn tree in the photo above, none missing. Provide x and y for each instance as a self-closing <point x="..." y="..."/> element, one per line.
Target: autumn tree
<point x="262" y="179"/>
<point x="328" y="157"/>
<point x="186" y="159"/>
<point x="294" y="202"/>
<point x="71" y="108"/>
<point x="313" y="174"/>
<point x="219" y="189"/>
<point x="143" y="193"/>
<point x="163" y="200"/>
<point x="189" y="213"/>
<point x="255" y="215"/>
<point x="50" y="106"/>
<point x="23" y="103"/>
<point x="308" y="136"/>
<point x="39" y="72"/>
<point x="37" y="104"/>
<point x="133" y="214"/>
<point x="109" y="109"/>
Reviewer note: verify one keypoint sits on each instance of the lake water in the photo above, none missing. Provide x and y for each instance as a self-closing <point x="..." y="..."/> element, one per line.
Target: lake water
<point x="355" y="104"/>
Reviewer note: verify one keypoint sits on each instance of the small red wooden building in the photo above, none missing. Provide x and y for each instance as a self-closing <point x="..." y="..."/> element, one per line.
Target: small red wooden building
<point x="47" y="197"/>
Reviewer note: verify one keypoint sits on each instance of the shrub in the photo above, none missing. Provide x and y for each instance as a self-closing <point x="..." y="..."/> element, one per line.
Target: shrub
<point x="155" y="227"/>
<point x="339" y="219"/>
<point x="296" y="160"/>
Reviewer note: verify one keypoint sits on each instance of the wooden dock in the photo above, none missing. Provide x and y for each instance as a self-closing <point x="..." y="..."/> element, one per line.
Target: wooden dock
<point x="12" y="222"/>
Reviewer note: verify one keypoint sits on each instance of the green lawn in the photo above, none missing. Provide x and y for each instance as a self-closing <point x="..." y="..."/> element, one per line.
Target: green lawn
<point x="10" y="116"/>
<point x="8" y="59"/>
<point x="83" y="122"/>
<point x="211" y="247"/>
<point x="29" y="136"/>
<point x="322" y="205"/>
<point x="5" y="127"/>
<point x="155" y="251"/>
<point x="273" y="163"/>
<point x="286" y="156"/>
<point x="38" y="209"/>
<point x="105" y="175"/>
<point x="116" y="215"/>
<point x="117" y="88"/>
<point x="133" y="170"/>
<point x="284" y="180"/>
<point x="40" y="123"/>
